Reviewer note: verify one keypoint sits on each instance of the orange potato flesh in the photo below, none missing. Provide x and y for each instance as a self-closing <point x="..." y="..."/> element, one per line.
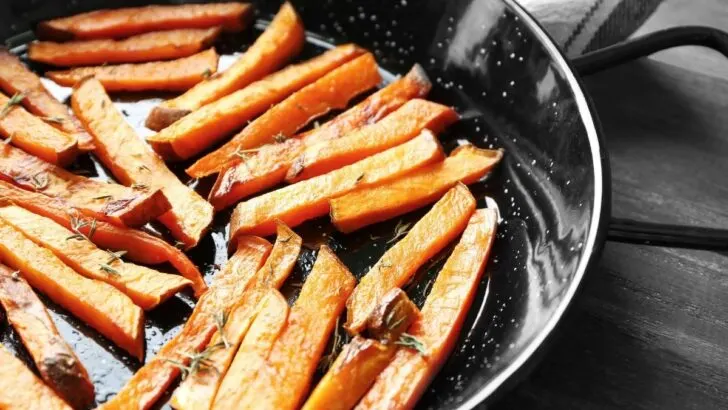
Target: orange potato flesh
<point x="138" y="245"/>
<point x="208" y="125"/>
<point x="129" y="21"/>
<point x="109" y="202"/>
<point x="284" y="377"/>
<point x="280" y="42"/>
<point x="36" y="137"/>
<point x="267" y="167"/>
<point x="133" y="162"/>
<point x="397" y="128"/>
<point x="100" y="305"/>
<point x="404" y="380"/>
<point x="21" y="389"/>
<point x="16" y="78"/>
<point x="173" y="75"/>
<point x="151" y="381"/>
<point x="158" y="45"/>
<point x="57" y="364"/>
<point x="332" y="91"/>
<point x="467" y="164"/>
<point x="309" y="199"/>
<point x="443" y="223"/>
<point x="198" y="390"/>
<point x="146" y="287"/>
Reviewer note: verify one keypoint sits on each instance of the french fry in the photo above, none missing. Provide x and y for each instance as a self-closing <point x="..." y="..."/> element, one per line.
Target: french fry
<point x="146" y="287"/>
<point x="367" y="206"/>
<point x="16" y="78"/>
<point x="267" y="166"/>
<point x="443" y="223"/>
<point x="158" y="45"/>
<point x="281" y="41"/>
<point x="130" y="21"/>
<point x="138" y="245"/>
<point x="152" y="380"/>
<point x="32" y="134"/>
<point x="281" y="381"/>
<point x="199" y="389"/>
<point x="396" y="128"/>
<point x="57" y="364"/>
<point x="173" y="75"/>
<point x="133" y="162"/>
<point x="100" y="305"/>
<point x="332" y="91"/>
<point x="21" y="389"/>
<point x="208" y="125"/>
<point x="309" y="199"/>
<point x="113" y="203"/>
<point x="404" y="380"/>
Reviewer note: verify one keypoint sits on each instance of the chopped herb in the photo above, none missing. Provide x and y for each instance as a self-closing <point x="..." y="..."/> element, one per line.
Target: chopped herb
<point x="126" y="114"/>
<point x="16" y="99"/>
<point x="15" y="275"/>
<point x="76" y="236"/>
<point x="359" y="178"/>
<point x="285" y="240"/>
<point x="103" y="197"/>
<point x="92" y="229"/>
<point x="144" y="167"/>
<point x="139" y="186"/>
<point x="207" y="73"/>
<point x="336" y="345"/>
<point x="407" y="340"/>
<point x="40" y="181"/>
<point x="198" y="361"/>
<point x="243" y="153"/>
<point x="108" y="269"/>
<point x="179" y="245"/>
<point x="53" y="120"/>
<point x="399" y="231"/>
<point x="280" y="138"/>
<point x="115" y="256"/>
<point x="221" y="319"/>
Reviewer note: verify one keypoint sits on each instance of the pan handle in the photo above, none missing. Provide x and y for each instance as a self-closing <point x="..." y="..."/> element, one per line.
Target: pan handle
<point x="649" y="233"/>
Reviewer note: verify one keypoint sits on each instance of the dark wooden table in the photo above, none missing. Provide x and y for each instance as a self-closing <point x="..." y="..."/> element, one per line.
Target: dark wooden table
<point x="650" y="329"/>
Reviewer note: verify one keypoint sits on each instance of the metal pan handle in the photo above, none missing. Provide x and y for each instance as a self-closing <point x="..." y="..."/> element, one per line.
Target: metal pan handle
<point x="625" y="230"/>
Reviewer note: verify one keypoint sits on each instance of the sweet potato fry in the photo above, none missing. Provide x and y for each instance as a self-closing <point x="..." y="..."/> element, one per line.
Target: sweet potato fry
<point x="56" y="362"/>
<point x="21" y="389"/>
<point x="361" y="361"/>
<point x="207" y="125"/>
<point x="129" y="21"/>
<point x="152" y="380"/>
<point x="443" y="223"/>
<point x="267" y="166"/>
<point x="113" y="203"/>
<point x="133" y="162"/>
<point x="198" y="390"/>
<point x="16" y="78"/>
<point x="146" y="287"/>
<point x="402" y="383"/>
<point x="400" y="126"/>
<point x="363" y="207"/>
<point x="32" y="134"/>
<point x="282" y="381"/>
<point x="308" y="199"/>
<point x="332" y="91"/>
<point x="158" y="45"/>
<point x="173" y="75"/>
<point x="100" y="305"/>
<point x="282" y="40"/>
<point x="138" y="245"/>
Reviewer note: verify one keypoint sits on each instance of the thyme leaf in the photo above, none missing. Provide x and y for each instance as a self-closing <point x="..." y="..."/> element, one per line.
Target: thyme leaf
<point x="16" y="99"/>
<point x="103" y="197"/>
<point x="39" y="181"/>
<point x="142" y="187"/>
<point x="53" y="120"/>
<point x="115" y="256"/>
<point x="108" y="269"/>
<point x="179" y="245"/>
<point x="400" y="230"/>
<point x="280" y="138"/>
<point x="207" y="73"/>
<point x="407" y="340"/>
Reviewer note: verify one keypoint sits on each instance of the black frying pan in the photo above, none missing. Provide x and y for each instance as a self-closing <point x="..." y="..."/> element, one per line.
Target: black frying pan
<point x="514" y="90"/>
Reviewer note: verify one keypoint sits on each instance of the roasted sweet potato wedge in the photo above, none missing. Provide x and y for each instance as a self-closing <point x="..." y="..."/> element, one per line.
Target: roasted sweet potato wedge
<point x="443" y="223"/>
<point x="158" y="45"/>
<point x="57" y="364"/>
<point x="332" y="91"/>
<point x="133" y="162"/>
<point x="146" y="287"/>
<point x="173" y="75"/>
<point x="396" y="128"/>
<point x="266" y="167"/>
<point x="404" y="380"/>
<point x="152" y="380"/>
<point x="21" y="389"/>
<point x="283" y="379"/>
<point x="129" y="21"/>
<point x="208" y="125"/>
<point x="363" y="207"/>
<point x="138" y="245"/>
<point x="16" y="78"/>
<point x="100" y="305"/>
<point x="281" y="41"/>
<point x="117" y="204"/>
<point x="309" y="199"/>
